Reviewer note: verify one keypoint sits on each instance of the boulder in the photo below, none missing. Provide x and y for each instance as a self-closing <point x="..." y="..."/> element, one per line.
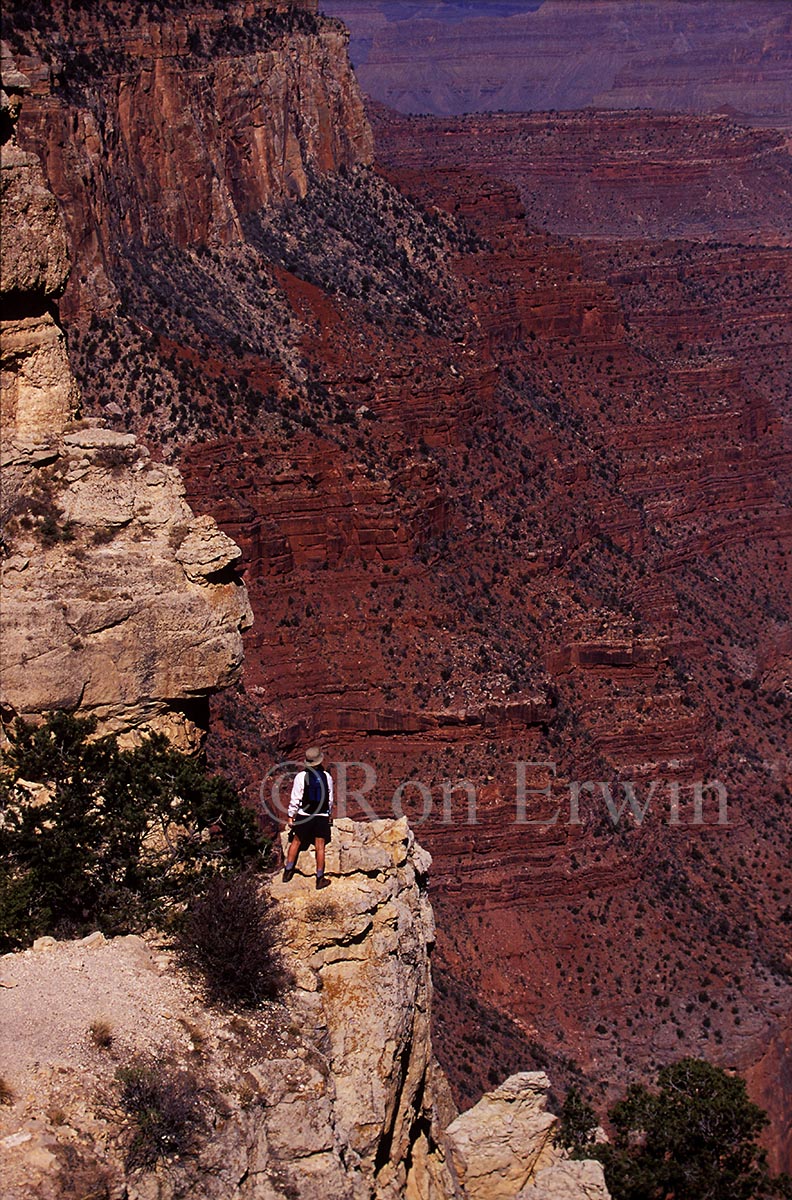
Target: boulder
<point x="568" y="1181"/>
<point x="497" y="1146"/>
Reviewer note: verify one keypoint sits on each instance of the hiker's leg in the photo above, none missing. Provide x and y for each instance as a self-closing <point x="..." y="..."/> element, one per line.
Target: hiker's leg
<point x="320" y="856"/>
<point x="293" y="851"/>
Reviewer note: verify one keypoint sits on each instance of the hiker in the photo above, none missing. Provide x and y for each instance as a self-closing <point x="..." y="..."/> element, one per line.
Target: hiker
<point x="310" y="815"/>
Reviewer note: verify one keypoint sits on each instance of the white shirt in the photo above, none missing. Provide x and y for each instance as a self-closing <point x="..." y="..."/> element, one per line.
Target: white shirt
<point x="298" y="791"/>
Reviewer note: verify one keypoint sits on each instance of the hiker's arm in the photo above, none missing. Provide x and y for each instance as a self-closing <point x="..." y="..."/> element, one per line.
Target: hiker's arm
<point x="329" y="795"/>
<point x="298" y="788"/>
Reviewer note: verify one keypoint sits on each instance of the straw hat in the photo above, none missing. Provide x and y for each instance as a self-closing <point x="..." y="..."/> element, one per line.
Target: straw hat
<point x="313" y="756"/>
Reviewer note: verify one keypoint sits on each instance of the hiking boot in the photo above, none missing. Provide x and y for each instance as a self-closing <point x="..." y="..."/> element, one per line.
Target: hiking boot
<point x="287" y="874"/>
<point x="321" y="882"/>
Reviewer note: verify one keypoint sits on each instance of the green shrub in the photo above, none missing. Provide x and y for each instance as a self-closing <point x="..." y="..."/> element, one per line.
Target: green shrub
<point x="577" y="1122"/>
<point x="694" y="1137"/>
<point x="230" y="939"/>
<point x="123" y="838"/>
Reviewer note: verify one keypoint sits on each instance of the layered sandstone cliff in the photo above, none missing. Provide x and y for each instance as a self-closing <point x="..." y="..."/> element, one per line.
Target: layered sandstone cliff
<point x="334" y="1092"/>
<point x="116" y="600"/>
<point x="253" y="96"/>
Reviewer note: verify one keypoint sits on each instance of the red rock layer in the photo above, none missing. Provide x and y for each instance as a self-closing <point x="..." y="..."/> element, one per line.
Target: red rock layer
<point x="507" y="496"/>
<point x="601" y="508"/>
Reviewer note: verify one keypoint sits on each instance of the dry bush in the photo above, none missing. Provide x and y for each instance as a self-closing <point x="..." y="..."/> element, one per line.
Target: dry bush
<point x="163" y="1106"/>
<point x="101" y="1034"/>
<point x="323" y="909"/>
<point x="115" y="459"/>
<point x="230" y="940"/>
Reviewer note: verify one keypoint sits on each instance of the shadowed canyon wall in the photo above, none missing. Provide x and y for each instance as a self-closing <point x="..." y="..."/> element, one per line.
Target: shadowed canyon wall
<point x="510" y="469"/>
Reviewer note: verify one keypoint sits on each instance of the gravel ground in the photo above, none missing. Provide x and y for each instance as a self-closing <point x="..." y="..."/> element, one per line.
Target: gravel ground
<point x="50" y="997"/>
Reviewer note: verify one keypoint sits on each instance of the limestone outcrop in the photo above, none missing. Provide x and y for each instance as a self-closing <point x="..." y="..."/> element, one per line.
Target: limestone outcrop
<point x="360" y="954"/>
<point x="332" y="1093"/>
<point x="117" y="600"/>
<point x="489" y="1143"/>
<point x="567" y="1181"/>
<point x="503" y="1148"/>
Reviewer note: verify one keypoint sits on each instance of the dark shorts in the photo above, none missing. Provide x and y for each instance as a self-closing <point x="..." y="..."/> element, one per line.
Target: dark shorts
<point x="308" y="829"/>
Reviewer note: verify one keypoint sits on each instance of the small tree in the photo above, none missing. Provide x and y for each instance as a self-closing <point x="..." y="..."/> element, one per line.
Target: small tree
<point x="115" y="839"/>
<point x="692" y="1139"/>
<point x="577" y="1122"/>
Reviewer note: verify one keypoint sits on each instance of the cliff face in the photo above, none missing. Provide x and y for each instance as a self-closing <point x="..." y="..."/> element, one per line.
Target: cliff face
<point x="660" y="360"/>
<point x="116" y="600"/>
<point x="38" y="391"/>
<point x="177" y="123"/>
<point x="335" y="1092"/>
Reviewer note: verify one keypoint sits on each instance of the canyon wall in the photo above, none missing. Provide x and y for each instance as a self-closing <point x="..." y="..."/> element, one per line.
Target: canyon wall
<point x="188" y="117"/>
<point x="117" y="602"/>
<point x="511" y="478"/>
<point x="615" y="174"/>
<point x="696" y="56"/>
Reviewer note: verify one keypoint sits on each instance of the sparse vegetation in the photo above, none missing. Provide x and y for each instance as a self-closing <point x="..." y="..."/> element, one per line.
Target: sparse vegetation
<point x="115" y="459"/>
<point x="35" y="512"/>
<point x="7" y="1093"/>
<point x="322" y="909"/>
<point x="104" y="535"/>
<point x="348" y="236"/>
<point x="195" y="1034"/>
<point x="81" y="1176"/>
